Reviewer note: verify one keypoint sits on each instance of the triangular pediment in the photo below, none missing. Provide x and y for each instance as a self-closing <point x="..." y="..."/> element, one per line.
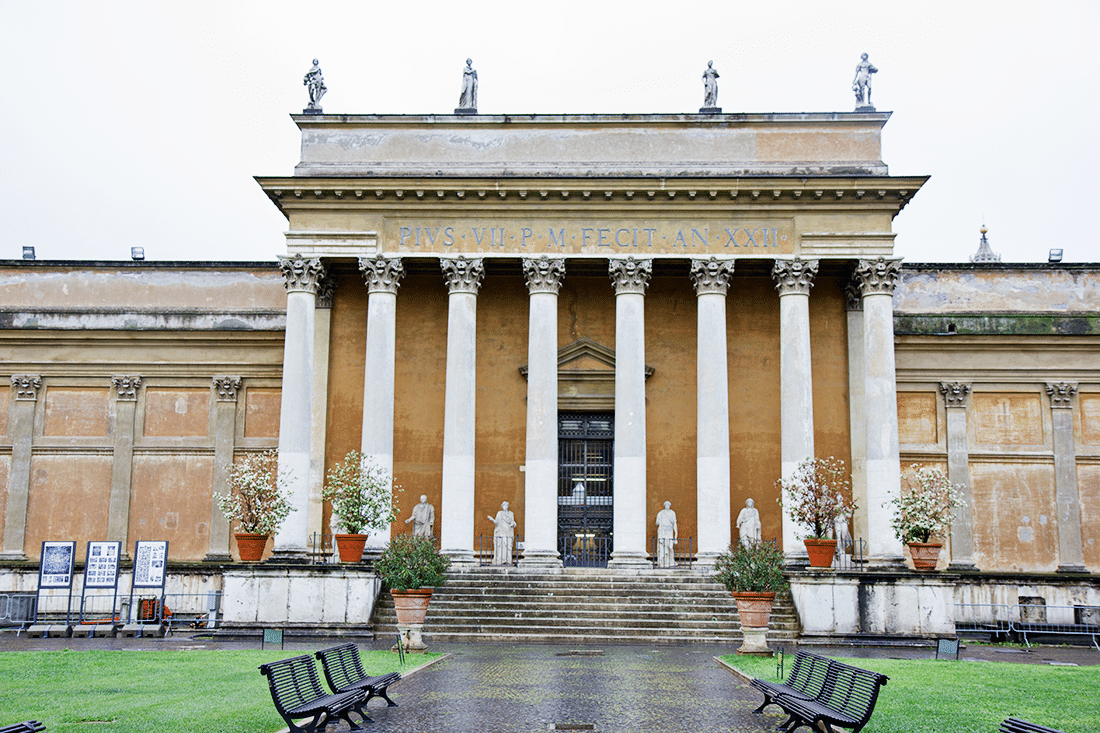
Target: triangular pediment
<point x="588" y="357"/>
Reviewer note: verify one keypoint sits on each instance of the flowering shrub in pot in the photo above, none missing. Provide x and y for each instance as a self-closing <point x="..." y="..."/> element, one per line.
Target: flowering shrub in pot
<point x="363" y="499"/>
<point x="923" y="512"/>
<point x="258" y="501"/>
<point x="815" y="495"/>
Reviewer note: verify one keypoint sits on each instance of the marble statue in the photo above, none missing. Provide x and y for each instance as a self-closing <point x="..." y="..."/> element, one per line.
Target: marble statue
<point x="468" y="98"/>
<point x="315" y="82"/>
<point x="503" y="535"/>
<point x="710" y="86"/>
<point x="861" y="85"/>
<point x="748" y="524"/>
<point x="667" y="533"/>
<point x="423" y="518"/>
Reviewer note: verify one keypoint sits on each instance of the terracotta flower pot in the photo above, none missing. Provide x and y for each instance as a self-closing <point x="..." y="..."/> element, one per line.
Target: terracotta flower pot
<point x="925" y="554"/>
<point x="754" y="609"/>
<point x="250" y="546"/>
<point x="820" y="552"/>
<point x="411" y="605"/>
<point x="351" y="546"/>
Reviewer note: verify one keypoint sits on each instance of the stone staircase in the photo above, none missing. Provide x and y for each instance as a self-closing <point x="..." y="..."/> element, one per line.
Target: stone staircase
<point x="584" y="606"/>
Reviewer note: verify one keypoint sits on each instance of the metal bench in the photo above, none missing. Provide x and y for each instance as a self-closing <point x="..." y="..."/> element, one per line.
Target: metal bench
<point x="27" y="726"/>
<point x="297" y="694"/>
<point x="1015" y="725"/>
<point x="344" y="671"/>
<point x="806" y="678"/>
<point x="846" y="699"/>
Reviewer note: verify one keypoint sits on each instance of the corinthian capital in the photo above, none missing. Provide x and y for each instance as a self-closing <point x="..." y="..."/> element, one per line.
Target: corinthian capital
<point x="382" y="275"/>
<point x="1061" y="393"/>
<point x="630" y="275"/>
<point x="794" y="276"/>
<point x="544" y="275"/>
<point x="711" y="276"/>
<point x="227" y="387"/>
<point x="301" y="275"/>
<point x="326" y="291"/>
<point x="26" y="386"/>
<point x="463" y="275"/>
<point x="877" y="276"/>
<point x="955" y="393"/>
<point x="126" y="387"/>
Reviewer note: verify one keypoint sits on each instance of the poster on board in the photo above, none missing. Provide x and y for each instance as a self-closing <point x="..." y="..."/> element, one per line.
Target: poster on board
<point x="101" y="566"/>
<point x="56" y="570"/>
<point x="150" y="559"/>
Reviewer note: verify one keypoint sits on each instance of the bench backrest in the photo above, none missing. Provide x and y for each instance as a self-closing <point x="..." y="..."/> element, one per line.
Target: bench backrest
<point x="293" y="682"/>
<point x="342" y="666"/>
<point x="1015" y="725"/>
<point x="808" y="673"/>
<point x="27" y="726"/>
<point x="851" y="690"/>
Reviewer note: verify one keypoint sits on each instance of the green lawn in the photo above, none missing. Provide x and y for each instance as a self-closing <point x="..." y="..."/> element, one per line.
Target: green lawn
<point x="938" y="696"/>
<point x="165" y="691"/>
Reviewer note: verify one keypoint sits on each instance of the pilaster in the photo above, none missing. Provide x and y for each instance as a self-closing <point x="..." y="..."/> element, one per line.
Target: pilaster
<point x="21" y="427"/>
<point x="857" y="407"/>
<point x="322" y="334"/>
<point x="1070" y="555"/>
<point x="226" y="389"/>
<point x="122" y="461"/>
<point x="956" y="395"/>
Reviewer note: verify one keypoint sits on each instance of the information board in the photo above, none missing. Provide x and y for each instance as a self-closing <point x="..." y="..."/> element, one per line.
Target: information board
<point x="56" y="568"/>
<point x="101" y="566"/>
<point x="150" y="558"/>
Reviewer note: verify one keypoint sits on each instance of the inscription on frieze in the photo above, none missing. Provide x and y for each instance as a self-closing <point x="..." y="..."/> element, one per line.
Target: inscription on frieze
<point x="567" y="237"/>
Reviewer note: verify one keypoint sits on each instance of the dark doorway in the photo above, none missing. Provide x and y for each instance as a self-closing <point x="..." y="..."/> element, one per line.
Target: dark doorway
<point x="586" y="452"/>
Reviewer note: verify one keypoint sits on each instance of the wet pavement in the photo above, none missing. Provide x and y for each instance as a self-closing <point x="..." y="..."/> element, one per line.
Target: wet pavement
<point x="523" y="688"/>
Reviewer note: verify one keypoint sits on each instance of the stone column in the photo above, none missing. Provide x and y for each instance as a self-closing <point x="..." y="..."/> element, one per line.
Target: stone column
<point x="1070" y="555"/>
<point x="383" y="277"/>
<point x="122" y="459"/>
<point x="630" y="278"/>
<point x="322" y="334"/>
<point x="21" y="429"/>
<point x="877" y="279"/>
<point x="955" y="397"/>
<point x="457" y="525"/>
<point x="540" y="525"/>
<point x="295" y="416"/>
<point x="793" y="279"/>
<point x="857" y="409"/>
<point x="712" y="461"/>
<point x="226" y="389"/>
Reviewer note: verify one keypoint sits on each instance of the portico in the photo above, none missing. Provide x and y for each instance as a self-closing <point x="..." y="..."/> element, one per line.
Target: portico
<point x="705" y="256"/>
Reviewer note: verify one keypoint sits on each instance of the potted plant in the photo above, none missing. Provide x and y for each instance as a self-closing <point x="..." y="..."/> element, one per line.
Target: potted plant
<point x="925" y="512"/>
<point x="362" y="496"/>
<point x="412" y="568"/>
<point x="753" y="572"/>
<point x="258" y="501"/>
<point x="815" y="496"/>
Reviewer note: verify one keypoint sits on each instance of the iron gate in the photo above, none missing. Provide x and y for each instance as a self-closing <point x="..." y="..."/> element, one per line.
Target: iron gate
<point x="586" y="452"/>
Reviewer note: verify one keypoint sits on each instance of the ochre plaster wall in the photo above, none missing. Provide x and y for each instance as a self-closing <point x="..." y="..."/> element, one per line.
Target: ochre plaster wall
<point x="156" y="511"/>
<point x="829" y="364"/>
<point x="1016" y="527"/>
<point x="5" y="472"/>
<point x="918" y="423"/>
<point x="76" y="412"/>
<point x="261" y="415"/>
<point x="69" y="497"/>
<point x="177" y="413"/>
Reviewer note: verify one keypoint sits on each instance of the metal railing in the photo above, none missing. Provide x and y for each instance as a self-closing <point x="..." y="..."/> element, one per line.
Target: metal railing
<point x="17" y="610"/>
<point x="322" y="549"/>
<point x="1003" y="621"/>
<point x="193" y="610"/>
<point x="667" y="553"/>
<point x="986" y="618"/>
<point x="855" y="561"/>
<point x="490" y="554"/>
<point x="585" y="551"/>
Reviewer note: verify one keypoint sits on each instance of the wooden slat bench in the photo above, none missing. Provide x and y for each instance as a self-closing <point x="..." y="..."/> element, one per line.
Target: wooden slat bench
<point x="27" y="726"/>
<point x="297" y="693"/>
<point x="806" y="678"/>
<point x="344" y="671"/>
<point x="1015" y="725"/>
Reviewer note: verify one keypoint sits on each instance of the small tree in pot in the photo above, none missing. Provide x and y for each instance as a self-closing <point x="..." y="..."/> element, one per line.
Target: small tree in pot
<point x="815" y="496"/>
<point x="258" y="501"/>
<point x="753" y="572"/>
<point x="363" y="500"/>
<point x="412" y="567"/>
<point x="925" y="512"/>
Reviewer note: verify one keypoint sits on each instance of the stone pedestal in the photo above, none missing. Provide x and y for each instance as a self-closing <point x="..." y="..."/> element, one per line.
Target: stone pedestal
<point x="412" y="639"/>
<point x="755" y="641"/>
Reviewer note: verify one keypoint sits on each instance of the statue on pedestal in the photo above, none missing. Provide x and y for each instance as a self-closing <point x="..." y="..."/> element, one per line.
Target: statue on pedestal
<point x="861" y="84"/>
<point x="710" y="87"/>
<point x="667" y="533"/>
<point x="748" y="524"/>
<point x="315" y="83"/>
<point x="503" y="535"/>
<point x="467" y="99"/>
<point x="423" y="518"/>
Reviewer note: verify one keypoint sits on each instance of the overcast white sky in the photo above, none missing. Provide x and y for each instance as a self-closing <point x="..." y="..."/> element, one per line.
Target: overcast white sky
<point x="143" y="123"/>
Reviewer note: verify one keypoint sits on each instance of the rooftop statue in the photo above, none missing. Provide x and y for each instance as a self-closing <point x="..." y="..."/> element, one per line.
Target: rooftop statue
<point x="710" y="86"/>
<point x="315" y="82"/>
<point x="861" y="84"/>
<point x="467" y="99"/>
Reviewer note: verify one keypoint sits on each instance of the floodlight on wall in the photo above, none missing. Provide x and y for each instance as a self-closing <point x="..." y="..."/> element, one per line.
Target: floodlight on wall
<point x="1055" y="255"/>
<point x="137" y="253"/>
<point x="28" y="253"/>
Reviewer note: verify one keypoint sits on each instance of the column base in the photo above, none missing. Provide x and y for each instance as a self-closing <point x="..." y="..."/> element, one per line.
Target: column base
<point x="965" y="566"/>
<point x="629" y="560"/>
<point x="540" y="559"/>
<point x="461" y="558"/>
<point x="1075" y="568"/>
<point x="886" y="562"/>
<point x="218" y="557"/>
<point x="289" y="556"/>
<point x="705" y="562"/>
<point x="13" y="556"/>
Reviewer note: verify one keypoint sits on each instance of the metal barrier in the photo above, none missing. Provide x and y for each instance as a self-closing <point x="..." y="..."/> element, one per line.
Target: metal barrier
<point x="994" y="619"/>
<point x="192" y="610"/>
<point x="17" y="609"/>
<point x="1042" y="620"/>
<point x="671" y="553"/>
<point x="487" y="555"/>
<point x="585" y="551"/>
